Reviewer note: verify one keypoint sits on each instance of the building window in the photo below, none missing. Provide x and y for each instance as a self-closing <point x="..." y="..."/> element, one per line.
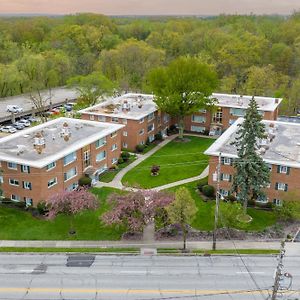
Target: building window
<point x="224" y="193"/>
<point x="12" y="165"/>
<point x="52" y="182"/>
<point x="1" y="179"/>
<point x="100" y="143"/>
<point x="150" y="116"/>
<point x="125" y="133"/>
<point x="238" y="112"/>
<point x="101" y="118"/>
<point x="25" y="169"/>
<point x="125" y="145"/>
<point x="86" y="157"/>
<point x="281" y="186"/>
<point x="151" y="138"/>
<point x="14" y="182"/>
<point x="115" y="120"/>
<point x="200" y="129"/>
<point x="124" y="121"/>
<point x="114" y="160"/>
<point x="114" y="147"/>
<point x="27" y="185"/>
<point x="226" y="177"/>
<point x="113" y="134"/>
<point x="226" y="161"/>
<point x="69" y="158"/>
<point x="141" y="120"/>
<point x="283" y="170"/>
<point x="150" y="127"/>
<point x="218" y="116"/>
<point x="51" y="166"/>
<point x="28" y="201"/>
<point x="270" y="167"/>
<point x="142" y="143"/>
<point x="277" y="202"/>
<point x="102" y="169"/>
<point x="203" y="110"/>
<point x="92" y="117"/>
<point x="198" y="119"/>
<point x="15" y="197"/>
<point x="141" y="132"/>
<point x="70" y="174"/>
<point x="262" y="199"/>
<point x="100" y="156"/>
<point x="72" y="187"/>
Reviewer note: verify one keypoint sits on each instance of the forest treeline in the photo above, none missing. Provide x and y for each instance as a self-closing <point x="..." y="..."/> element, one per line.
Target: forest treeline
<point x="256" y="55"/>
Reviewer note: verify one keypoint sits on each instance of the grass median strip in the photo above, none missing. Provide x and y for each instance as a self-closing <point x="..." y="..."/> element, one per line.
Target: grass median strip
<point x="238" y="251"/>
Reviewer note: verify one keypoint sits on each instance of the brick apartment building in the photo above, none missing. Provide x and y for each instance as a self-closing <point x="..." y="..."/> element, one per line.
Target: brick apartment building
<point x="137" y="112"/>
<point x="51" y="157"/>
<point x="281" y="151"/>
<point x="229" y="108"/>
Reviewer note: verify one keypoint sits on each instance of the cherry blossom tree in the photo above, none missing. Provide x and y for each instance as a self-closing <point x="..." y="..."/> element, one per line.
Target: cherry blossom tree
<point x="71" y="203"/>
<point x="134" y="210"/>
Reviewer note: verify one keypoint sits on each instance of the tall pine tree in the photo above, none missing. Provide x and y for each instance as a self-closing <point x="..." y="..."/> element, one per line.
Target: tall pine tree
<point x="252" y="173"/>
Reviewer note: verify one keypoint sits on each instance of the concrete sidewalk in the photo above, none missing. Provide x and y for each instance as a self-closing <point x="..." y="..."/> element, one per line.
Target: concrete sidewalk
<point x="206" y="245"/>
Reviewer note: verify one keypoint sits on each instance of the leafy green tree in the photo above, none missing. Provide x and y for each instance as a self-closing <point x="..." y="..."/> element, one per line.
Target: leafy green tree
<point x="182" y="211"/>
<point x="251" y="172"/>
<point x="229" y="213"/>
<point x="91" y="87"/>
<point x="183" y="87"/>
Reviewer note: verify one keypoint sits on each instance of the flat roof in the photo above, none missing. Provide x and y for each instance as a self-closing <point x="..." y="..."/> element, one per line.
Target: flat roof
<point x="128" y="106"/>
<point x="239" y="101"/>
<point x="142" y="105"/>
<point x="283" y="149"/>
<point x="19" y="147"/>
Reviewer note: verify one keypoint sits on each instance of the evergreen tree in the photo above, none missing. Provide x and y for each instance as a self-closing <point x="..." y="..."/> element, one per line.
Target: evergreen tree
<point x="252" y="173"/>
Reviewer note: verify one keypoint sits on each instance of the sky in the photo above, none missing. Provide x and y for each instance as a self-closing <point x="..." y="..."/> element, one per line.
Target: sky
<point x="150" y="7"/>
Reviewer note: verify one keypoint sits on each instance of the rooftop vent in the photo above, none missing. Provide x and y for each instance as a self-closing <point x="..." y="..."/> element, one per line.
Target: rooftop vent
<point x="65" y="132"/>
<point x="39" y="142"/>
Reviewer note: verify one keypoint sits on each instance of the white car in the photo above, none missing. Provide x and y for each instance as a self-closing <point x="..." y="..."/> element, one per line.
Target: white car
<point x="14" y="109"/>
<point x="8" y="129"/>
<point x="26" y="123"/>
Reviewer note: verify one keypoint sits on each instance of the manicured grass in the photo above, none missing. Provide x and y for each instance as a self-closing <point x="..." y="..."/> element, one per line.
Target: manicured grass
<point x="238" y="251"/>
<point x="20" y="225"/>
<point x="177" y="160"/>
<point x="111" y="174"/>
<point x="205" y="216"/>
<point x="68" y="250"/>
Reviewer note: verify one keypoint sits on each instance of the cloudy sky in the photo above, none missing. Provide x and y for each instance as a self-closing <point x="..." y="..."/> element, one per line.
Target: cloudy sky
<point x="150" y="7"/>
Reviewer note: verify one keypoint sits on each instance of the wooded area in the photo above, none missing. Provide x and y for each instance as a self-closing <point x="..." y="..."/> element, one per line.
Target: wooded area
<point x="256" y="55"/>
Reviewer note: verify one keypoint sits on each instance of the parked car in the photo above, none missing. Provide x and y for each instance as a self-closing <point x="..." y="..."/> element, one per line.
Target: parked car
<point x="18" y="125"/>
<point x="54" y="111"/>
<point x="26" y="123"/>
<point x="68" y="107"/>
<point x="8" y="129"/>
<point x="14" y="109"/>
<point x="32" y="119"/>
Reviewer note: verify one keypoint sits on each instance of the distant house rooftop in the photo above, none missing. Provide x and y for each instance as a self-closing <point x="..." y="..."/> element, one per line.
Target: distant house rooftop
<point x="128" y="106"/>
<point x="238" y="101"/>
<point x="40" y="145"/>
<point x="281" y="148"/>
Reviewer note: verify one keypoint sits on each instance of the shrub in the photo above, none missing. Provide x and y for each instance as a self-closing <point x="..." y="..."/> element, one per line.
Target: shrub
<point x="208" y="190"/>
<point x="230" y="198"/>
<point x="120" y="160"/>
<point x="42" y="208"/>
<point x="251" y="203"/>
<point x="125" y="155"/>
<point x="85" y="181"/>
<point x="200" y="185"/>
<point x="6" y="201"/>
<point x="139" y="148"/>
<point x="148" y="142"/>
<point x="172" y="130"/>
<point x="154" y="170"/>
<point x="20" y="204"/>
<point x="158" y="136"/>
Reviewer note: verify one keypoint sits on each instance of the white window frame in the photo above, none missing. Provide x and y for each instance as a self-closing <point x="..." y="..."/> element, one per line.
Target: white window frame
<point x="201" y="121"/>
<point x="113" y="134"/>
<point x="98" y="144"/>
<point x="200" y="129"/>
<point x="51" y="166"/>
<point x="227" y="161"/>
<point x="73" y="186"/>
<point x="152" y="127"/>
<point x="74" y="158"/>
<point x="25" y="169"/>
<point x="92" y="117"/>
<point x="115" y="119"/>
<point x="114" y="147"/>
<point x="101" y="118"/>
<point x="141" y="120"/>
<point x="142" y="131"/>
<point x="15" y="198"/>
<point x="125" y="133"/>
<point x="150" y="117"/>
<point x="114" y="160"/>
<point x="53" y="183"/>
<point x="124" y="121"/>
<point x="15" y="166"/>
<point x="72" y="176"/>
<point x="281" y="186"/>
<point x="27" y="185"/>
<point x="125" y="145"/>
<point x="277" y="202"/>
<point x="283" y="169"/>
<point x="225" y="177"/>
<point x="102" y="157"/>
<point x="13" y="182"/>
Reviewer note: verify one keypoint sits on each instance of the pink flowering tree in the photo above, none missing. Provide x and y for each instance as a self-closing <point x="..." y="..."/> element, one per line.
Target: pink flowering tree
<point x="71" y="203"/>
<point x="134" y="210"/>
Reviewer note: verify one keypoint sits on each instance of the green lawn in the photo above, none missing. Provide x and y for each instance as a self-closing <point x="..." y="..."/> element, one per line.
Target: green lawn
<point x="177" y="160"/>
<point x="205" y="215"/>
<point x="20" y="225"/>
<point x="110" y="174"/>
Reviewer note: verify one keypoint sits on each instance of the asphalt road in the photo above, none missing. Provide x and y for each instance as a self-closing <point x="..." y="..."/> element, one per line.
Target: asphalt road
<point x="138" y="277"/>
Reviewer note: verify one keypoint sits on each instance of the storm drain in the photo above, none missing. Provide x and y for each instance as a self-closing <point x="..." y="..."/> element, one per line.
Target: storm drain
<point x="40" y="269"/>
<point x="80" y="260"/>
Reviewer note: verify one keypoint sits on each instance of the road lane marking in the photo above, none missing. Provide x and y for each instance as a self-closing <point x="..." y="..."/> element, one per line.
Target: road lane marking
<point x="245" y="272"/>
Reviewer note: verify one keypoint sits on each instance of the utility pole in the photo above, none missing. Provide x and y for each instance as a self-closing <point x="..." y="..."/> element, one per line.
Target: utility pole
<point x="279" y="272"/>
<point x="217" y="203"/>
